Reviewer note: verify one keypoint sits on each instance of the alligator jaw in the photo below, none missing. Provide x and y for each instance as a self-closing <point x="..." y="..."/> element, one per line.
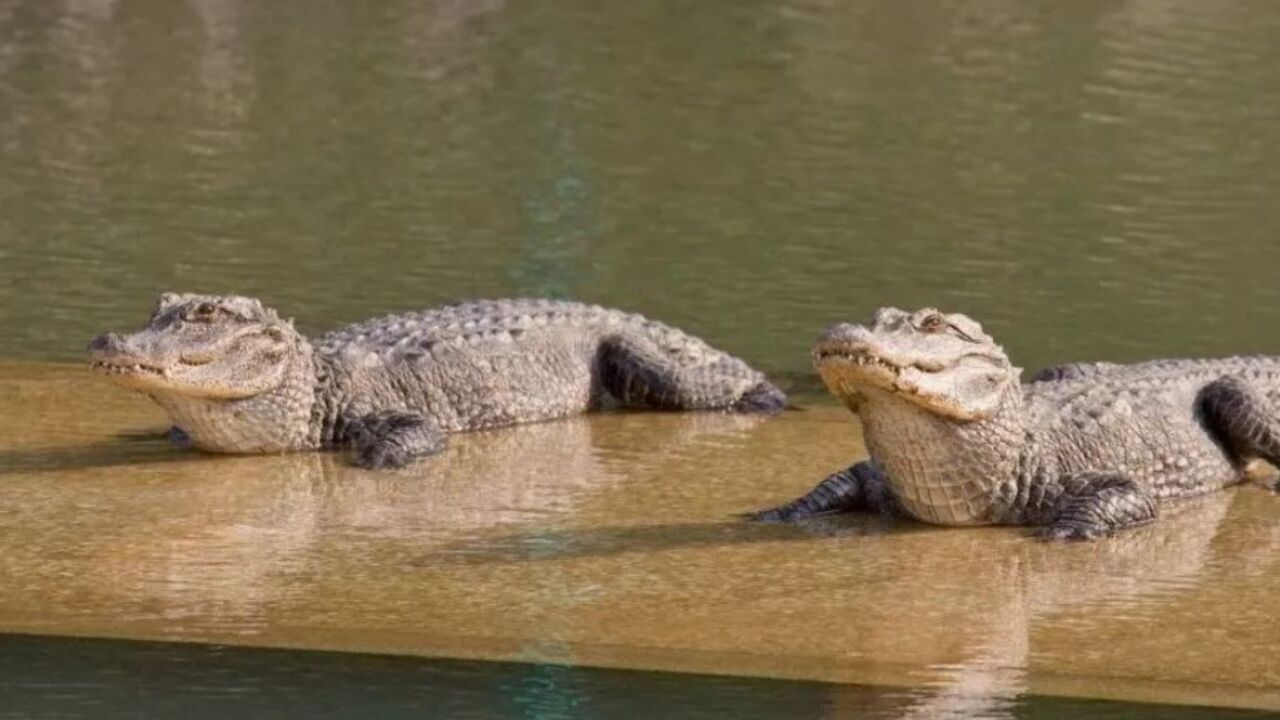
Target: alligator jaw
<point x="112" y="368"/>
<point x="130" y="373"/>
<point x="844" y="368"/>
<point x="858" y="356"/>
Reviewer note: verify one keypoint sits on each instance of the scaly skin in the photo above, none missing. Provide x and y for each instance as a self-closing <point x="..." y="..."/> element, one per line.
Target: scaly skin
<point x="1083" y="450"/>
<point x="236" y="378"/>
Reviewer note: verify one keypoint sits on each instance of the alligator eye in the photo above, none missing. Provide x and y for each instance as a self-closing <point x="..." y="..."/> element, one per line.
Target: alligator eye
<point x="203" y="312"/>
<point x="933" y="323"/>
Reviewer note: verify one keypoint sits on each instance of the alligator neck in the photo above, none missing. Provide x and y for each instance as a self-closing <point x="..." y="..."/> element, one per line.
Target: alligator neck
<point x="331" y="382"/>
<point x="942" y="470"/>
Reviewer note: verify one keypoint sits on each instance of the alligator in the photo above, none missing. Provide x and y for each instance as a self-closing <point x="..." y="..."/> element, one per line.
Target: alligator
<point x="1082" y="451"/>
<point x="236" y="377"/>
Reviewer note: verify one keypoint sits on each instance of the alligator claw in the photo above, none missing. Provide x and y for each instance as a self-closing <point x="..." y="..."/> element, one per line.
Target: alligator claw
<point x="1070" y="532"/>
<point x="768" y="515"/>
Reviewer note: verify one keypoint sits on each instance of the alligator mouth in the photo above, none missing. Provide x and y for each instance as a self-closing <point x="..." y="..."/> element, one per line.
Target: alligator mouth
<point x="864" y="358"/>
<point x="112" y="368"/>
<point x="859" y="358"/>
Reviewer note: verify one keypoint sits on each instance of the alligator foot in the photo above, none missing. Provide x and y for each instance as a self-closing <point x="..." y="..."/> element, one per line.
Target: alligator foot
<point x="393" y="439"/>
<point x="1097" y="504"/>
<point x="857" y="487"/>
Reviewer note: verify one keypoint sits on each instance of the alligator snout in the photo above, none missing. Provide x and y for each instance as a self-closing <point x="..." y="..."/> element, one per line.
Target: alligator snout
<point x="114" y="349"/>
<point x="843" y="339"/>
<point x="843" y="334"/>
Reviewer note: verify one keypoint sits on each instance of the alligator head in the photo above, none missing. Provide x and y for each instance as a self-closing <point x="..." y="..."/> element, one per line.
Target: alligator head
<point x="943" y="363"/>
<point x="200" y="345"/>
<point x="941" y="408"/>
<point x="226" y="368"/>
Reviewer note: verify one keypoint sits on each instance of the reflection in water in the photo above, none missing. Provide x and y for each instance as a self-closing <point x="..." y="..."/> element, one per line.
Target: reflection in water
<point x="606" y="541"/>
<point x="1013" y="588"/>
<point x="267" y="518"/>
<point x="610" y="540"/>
<point x="1133" y="572"/>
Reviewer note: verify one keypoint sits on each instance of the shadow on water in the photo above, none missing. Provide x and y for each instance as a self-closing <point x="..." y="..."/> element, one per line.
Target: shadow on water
<point x="142" y="447"/>
<point x="553" y="544"/>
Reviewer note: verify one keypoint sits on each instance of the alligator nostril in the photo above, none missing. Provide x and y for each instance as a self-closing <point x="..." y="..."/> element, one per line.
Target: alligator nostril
<point x="104" y="342"/>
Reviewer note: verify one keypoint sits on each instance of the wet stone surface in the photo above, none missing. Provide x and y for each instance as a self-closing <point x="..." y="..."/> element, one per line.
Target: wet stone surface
<point x="610" y="540"/>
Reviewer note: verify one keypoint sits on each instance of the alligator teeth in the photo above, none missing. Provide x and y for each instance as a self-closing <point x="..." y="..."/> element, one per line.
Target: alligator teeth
<point x="115" y="369"/>
<point x="860" y="359"/>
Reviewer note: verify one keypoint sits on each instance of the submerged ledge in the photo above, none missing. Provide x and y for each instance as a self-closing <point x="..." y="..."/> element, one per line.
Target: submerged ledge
<point x="610" y="541"/>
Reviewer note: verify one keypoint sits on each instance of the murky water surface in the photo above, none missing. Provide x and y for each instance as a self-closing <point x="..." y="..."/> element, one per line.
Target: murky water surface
<point x="1093" y="180"/>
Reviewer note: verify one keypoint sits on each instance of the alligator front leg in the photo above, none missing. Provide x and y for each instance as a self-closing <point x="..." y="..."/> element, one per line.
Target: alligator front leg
<point x="1241" y="419"/>
<point x="391" y="439"/>
<point x="857" y="487"/>
<point x="1096" y="504"/>
<point x="640" y="374"/>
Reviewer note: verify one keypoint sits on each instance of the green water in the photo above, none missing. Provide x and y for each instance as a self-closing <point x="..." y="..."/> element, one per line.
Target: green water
<point x="112" y="679"/>
<point x="1092" y="180"/>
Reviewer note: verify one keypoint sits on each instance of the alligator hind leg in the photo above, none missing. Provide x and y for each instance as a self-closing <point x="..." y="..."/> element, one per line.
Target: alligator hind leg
<point x="392" y="439"/>
<point x="1095" y="504"/>
<point x="858" y="487"/>
<point x="640" y="374"/>
<point x="1241" y="419"/>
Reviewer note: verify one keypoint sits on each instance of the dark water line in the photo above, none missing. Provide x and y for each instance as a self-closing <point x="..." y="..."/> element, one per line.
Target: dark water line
<point x="118" y="679"/>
